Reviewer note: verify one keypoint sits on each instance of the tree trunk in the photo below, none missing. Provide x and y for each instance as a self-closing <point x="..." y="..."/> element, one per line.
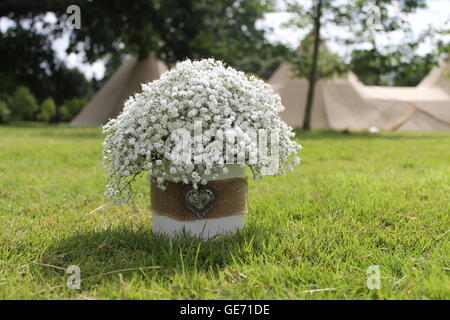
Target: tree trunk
<point x="312" y="78"/>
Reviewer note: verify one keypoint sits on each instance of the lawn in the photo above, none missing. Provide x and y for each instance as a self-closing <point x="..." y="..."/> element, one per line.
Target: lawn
<point x="356" y="200"/>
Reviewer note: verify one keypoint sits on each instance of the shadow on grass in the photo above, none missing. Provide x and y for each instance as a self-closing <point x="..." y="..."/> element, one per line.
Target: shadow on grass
<point x="97" y="253"/>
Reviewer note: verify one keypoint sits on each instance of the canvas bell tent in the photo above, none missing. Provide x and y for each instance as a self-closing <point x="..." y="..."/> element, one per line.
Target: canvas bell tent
<point x="108" y="102"/>
<point x="408" y="108"/>
<point x="337" y="104"/>
<point x="346" y="103"/>
<point x="438" y="77"/>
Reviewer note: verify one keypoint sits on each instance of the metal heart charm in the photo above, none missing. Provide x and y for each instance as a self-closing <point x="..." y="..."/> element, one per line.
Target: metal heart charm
<point x="200" y="201"/>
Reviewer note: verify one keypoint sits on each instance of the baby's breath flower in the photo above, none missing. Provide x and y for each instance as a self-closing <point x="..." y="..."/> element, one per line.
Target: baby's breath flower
<point x="227" y="102"/>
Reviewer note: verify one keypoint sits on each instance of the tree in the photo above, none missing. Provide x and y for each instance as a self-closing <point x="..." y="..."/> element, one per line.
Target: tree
<point x="23" y="105"/>
<point x="400" y="64"/>
<point x="73" y="107"/>
<point x="65" y="114"/>
<point x="4" y="112"/>
<point x="31" y="62"/>
<point x="266" y="62"/>
<point x="66" y="83"/>
<point x="112" y="62"/>
<point x="363" y="19"/>
<point x="391" y="69"/>
<point x="47" y="110"/>
<point x="172" y="29"/>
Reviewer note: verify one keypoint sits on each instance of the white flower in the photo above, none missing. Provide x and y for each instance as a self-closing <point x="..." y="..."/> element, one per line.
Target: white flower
<point x="228" y="103"/>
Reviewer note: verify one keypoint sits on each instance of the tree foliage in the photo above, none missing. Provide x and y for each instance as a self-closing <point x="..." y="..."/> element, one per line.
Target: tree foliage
<point x="172" y="29"/>
<point x="23" y="104"/>
<point x="328" y="63"/>
<point x="29" y="60"/>
<point x="387" y="69"/>
<point x="4" y="112"/>
<point x="399" y="64"/>
<point x="71" y="108"/>
<point x="47" y="110"/>
<point x="66" y="84"/>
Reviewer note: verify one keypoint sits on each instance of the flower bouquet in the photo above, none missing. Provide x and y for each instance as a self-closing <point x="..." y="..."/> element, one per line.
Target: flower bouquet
<point x="194" y="131"/>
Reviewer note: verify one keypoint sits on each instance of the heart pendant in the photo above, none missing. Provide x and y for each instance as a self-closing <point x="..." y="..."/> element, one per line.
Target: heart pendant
<point x="200" y="201"/>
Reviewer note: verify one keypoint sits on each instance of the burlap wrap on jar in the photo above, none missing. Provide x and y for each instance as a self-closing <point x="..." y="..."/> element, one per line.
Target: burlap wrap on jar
<point x="216" y="199"/>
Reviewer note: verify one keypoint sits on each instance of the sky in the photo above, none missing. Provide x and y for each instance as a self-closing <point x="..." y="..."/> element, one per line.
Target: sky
<point x="437" y="13"/>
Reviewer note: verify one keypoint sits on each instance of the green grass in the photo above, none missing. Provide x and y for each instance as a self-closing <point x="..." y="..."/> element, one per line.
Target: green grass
<point x="357" y="200"/>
